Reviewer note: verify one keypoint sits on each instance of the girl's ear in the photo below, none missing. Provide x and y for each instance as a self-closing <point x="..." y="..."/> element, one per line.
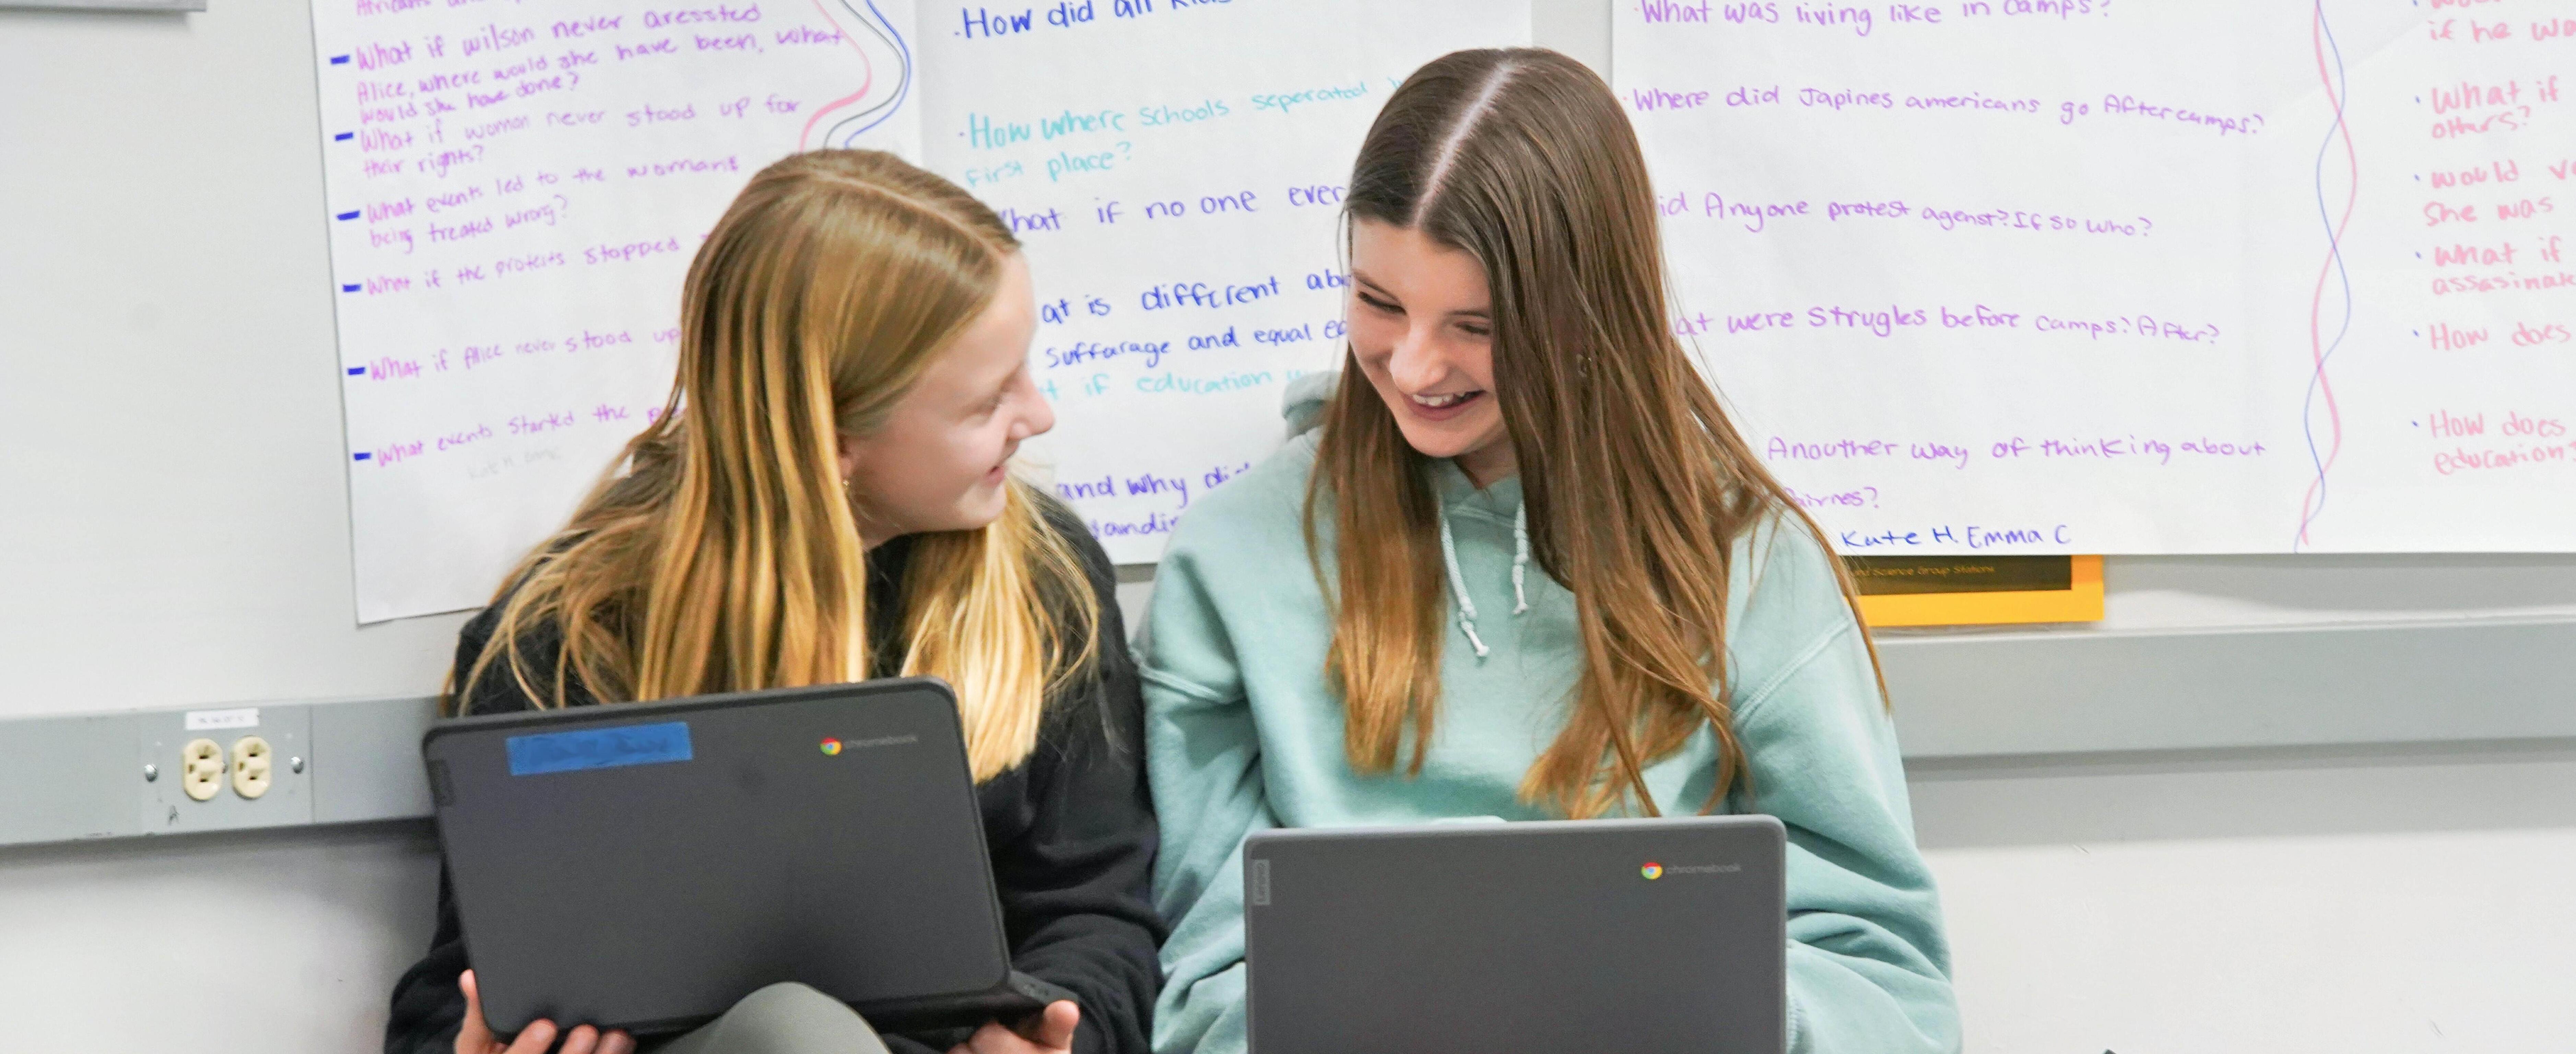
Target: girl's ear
<point x="849" y="456"/>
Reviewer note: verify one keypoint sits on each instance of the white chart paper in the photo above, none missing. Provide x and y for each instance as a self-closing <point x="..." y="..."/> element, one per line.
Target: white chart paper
<point x="2084" y="276"/>
<point x="1175" y="171"/>
<point x="516" y="190"/>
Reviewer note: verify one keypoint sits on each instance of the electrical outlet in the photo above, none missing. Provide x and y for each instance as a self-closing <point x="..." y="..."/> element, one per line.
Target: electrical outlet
<point x="201" y="768"/>
<point x="252" y="769"/>
<point x="187" y="759"/>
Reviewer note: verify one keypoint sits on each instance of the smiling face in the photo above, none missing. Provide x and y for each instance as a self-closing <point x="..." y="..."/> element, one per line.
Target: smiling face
<point x="1421" y="326"/>
<point x="940" y="461"/>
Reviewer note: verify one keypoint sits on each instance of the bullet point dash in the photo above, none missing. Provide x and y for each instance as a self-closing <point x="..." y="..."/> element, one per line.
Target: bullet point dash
<point x="339" y="60"/>
<point x="349" y="215"/>
<point x="350" y="287"/>
<point x="344" y="137"/>
<point x="357" y="371"/>
<point x="361" y="456"/>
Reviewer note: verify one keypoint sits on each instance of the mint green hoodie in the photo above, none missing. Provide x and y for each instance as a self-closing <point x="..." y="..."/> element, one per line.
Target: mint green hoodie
<point x="1243" y="734"/>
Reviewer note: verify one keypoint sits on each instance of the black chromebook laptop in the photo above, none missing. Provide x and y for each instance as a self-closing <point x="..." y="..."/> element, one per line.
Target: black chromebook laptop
<point x="645" y="865"/>
<point x="1626" y="935"/>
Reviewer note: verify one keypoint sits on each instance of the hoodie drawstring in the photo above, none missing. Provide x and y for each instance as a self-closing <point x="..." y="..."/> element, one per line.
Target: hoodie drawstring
<point x="1458" y="582"/>
<point x="1458" y="586"/>
<point x="1520" y="558"/>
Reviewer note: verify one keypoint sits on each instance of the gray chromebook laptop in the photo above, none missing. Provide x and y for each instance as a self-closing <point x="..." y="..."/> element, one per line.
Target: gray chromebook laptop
<point x="1628" y="935"/>
<point x="645" y="865"/>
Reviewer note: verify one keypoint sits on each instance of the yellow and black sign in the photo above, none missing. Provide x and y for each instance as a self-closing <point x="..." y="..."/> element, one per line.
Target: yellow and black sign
<point x="1974" y="590"/>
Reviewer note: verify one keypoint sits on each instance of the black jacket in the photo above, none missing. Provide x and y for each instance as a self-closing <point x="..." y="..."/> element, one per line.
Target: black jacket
<point x="1071" y="829"/>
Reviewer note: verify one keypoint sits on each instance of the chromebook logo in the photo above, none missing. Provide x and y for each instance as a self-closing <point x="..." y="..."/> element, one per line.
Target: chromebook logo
<point x="1652" y="871"/>
<point x="831" y="746"/>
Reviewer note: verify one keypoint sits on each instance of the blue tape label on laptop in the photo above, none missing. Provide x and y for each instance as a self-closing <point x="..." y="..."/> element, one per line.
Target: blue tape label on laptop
<point x="599" y="748"/>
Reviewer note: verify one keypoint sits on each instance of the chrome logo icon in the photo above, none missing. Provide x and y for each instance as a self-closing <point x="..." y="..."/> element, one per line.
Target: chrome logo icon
<point x="1652" y="871"/>
<point x="831" y="746"/>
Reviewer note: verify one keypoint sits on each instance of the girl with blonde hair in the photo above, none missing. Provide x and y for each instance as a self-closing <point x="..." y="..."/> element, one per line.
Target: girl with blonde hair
<point x="1520" y="564"/>
<point x="826" y="498"/>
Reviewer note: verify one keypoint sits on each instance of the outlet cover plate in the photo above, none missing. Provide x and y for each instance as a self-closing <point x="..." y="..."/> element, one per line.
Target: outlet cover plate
<point x="167" y="809"/>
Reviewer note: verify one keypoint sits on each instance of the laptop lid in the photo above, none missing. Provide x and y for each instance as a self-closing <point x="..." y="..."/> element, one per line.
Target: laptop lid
<point x="646" y="865"/>
<point x="1584" y="935"/>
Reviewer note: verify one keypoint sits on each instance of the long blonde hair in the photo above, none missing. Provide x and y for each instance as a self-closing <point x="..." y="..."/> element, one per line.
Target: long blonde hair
<point x="722" y="552"/>
<point x="1636" y="484"/>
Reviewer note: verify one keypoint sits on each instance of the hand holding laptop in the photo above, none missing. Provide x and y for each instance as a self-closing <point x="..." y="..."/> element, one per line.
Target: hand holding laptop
<point x="1048" y="1032"/>
<point x="476" y="1036"/>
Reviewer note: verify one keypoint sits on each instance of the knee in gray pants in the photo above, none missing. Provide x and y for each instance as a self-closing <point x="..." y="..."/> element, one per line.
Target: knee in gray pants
<point x="784" y="1018"/>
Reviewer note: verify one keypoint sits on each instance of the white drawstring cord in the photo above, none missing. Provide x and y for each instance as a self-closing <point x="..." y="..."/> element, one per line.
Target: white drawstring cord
<point x="1520" y="558"/>
<point x="1458" y="585"/>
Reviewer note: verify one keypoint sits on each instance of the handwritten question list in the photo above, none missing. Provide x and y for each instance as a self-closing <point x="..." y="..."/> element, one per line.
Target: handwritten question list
<point x="2102" y="276"/>
<point x="515" y="192"/>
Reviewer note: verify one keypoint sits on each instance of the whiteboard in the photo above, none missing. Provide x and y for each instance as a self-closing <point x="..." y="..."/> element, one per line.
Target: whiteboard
<point x="1176" y="172"/>
<point x="2073" y="276"/>
<point x="175" y="526"/>
<point x="517" y="194"/>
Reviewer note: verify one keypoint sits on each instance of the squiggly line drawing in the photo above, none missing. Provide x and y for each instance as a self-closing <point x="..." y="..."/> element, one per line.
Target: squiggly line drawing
<point x="877" y="23"/>
<point x="2330" y="72"/>
<point x="847" y="130"/>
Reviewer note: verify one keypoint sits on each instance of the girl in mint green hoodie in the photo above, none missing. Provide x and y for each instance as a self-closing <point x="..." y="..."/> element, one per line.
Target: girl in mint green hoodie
<point x="1518" y="563"/>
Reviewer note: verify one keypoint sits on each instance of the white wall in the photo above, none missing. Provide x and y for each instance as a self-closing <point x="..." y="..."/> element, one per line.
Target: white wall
<point x="160" y="186"/>
<point x="283" y="942"/>
<point x="2355" y="902"/>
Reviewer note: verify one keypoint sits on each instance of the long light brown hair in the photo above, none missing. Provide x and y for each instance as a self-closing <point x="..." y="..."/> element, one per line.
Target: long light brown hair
<point x="1636" y="485"/>
<point x="722" y="551"/>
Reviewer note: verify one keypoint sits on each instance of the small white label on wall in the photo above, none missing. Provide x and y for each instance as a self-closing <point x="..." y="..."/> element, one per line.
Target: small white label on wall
<point x="210" y="720"/>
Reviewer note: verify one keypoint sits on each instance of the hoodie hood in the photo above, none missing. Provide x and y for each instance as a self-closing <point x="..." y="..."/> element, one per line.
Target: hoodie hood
<point x="1302" y="405"/>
